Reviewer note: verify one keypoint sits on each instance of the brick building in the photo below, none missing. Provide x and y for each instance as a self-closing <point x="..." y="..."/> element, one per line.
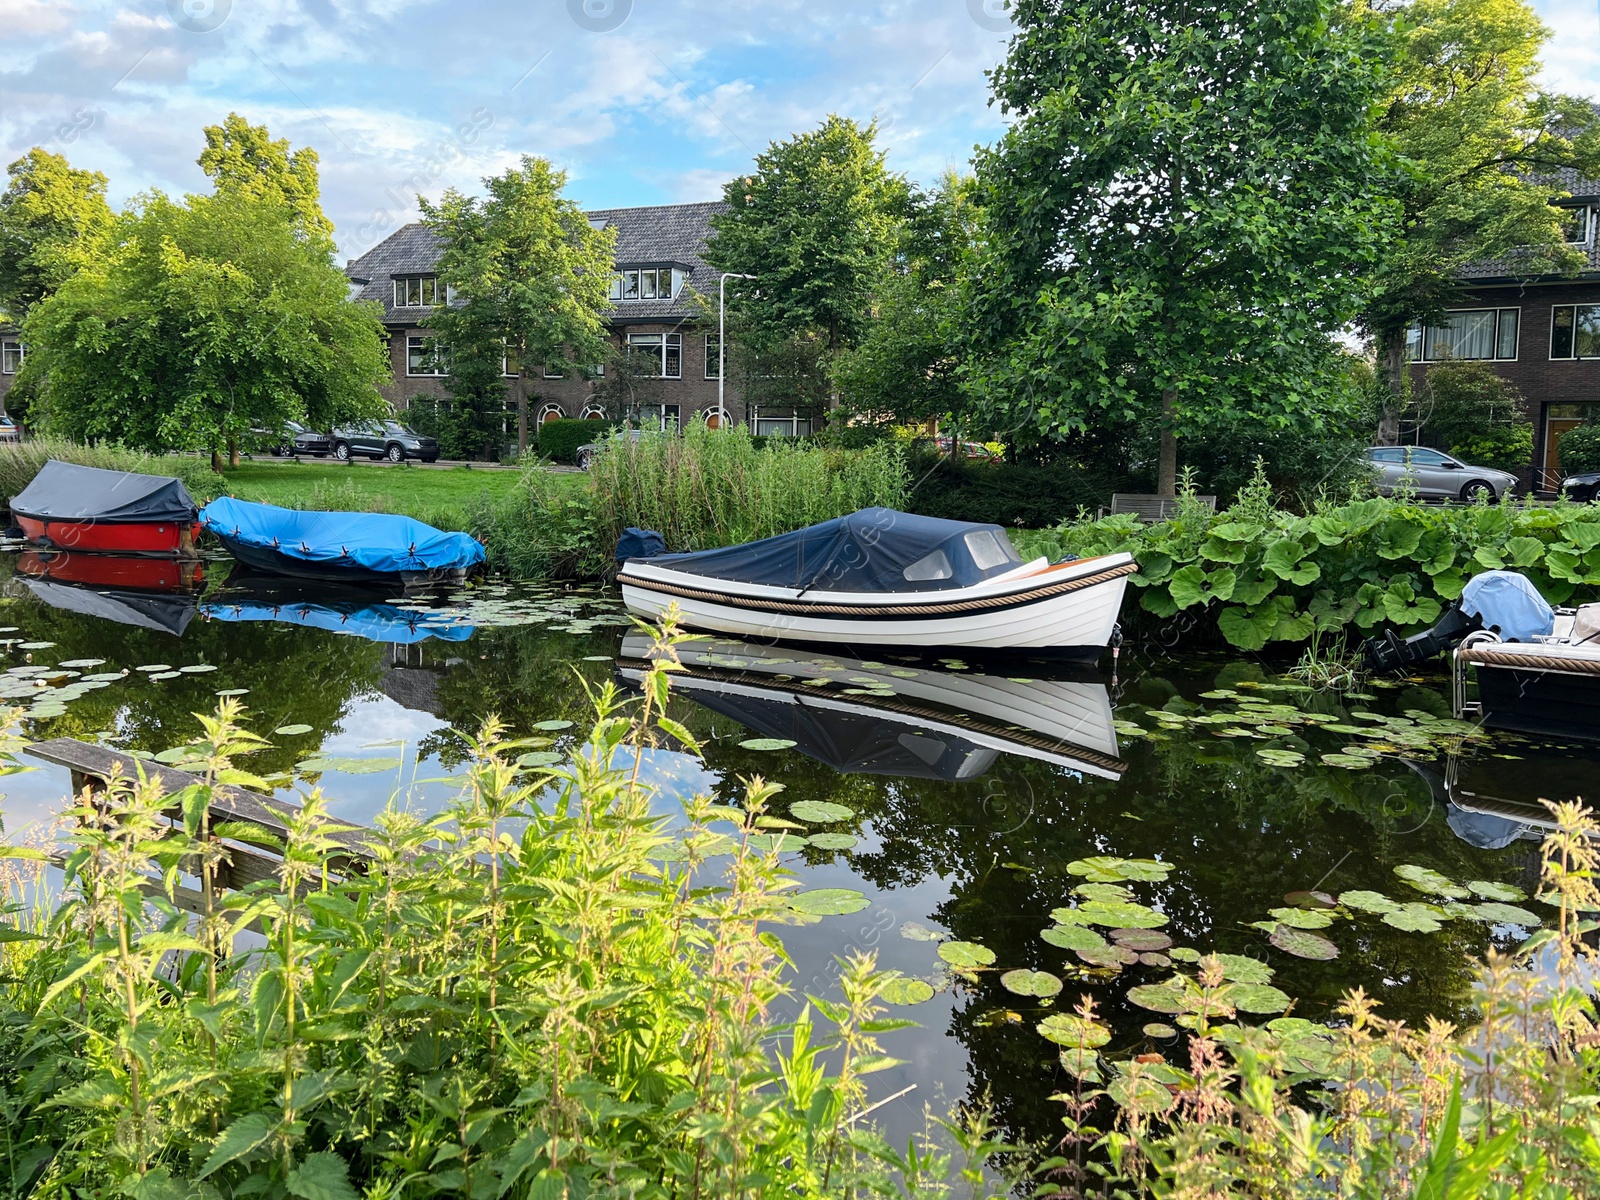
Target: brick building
<point x="1542" y="333"/>
<point x="658" y="265"/>
<point x="10" y="360"/>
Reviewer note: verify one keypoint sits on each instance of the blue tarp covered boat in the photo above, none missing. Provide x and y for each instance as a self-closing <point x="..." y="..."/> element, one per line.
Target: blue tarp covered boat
<point x="341" y="546"/>
<point x="375" y="622"/>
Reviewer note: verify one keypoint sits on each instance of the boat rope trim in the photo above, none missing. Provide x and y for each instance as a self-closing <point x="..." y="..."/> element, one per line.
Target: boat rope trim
<point x="1501" y="656"/>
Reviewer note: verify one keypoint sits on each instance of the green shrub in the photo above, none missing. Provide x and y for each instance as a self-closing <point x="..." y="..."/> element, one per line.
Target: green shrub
<point x="1579" y="450"/>
<point x="545" y="529"/>
<point x="21" y="461"/>
<point x="715" y="487"/>
<point x="1504" y="447"/>
<point x="1025" y="495"/>
<point x="559" y="439"/>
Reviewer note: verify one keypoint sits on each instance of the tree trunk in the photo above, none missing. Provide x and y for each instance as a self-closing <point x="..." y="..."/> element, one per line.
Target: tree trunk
<point x="1393" y="365"/>
<point x="1167" y="468"/>
<point x="216" y="460"/>
<point x="233" y="452"/>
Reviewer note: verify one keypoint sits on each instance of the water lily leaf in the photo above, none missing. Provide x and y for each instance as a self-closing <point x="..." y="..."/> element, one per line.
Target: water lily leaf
<point x="1156" y="1029"/>
<point x="1119" y="913"/>
<point x="291" y="730"/>
<point x="165" y="675"/>
<point x="1303" y="944"/>
<point x="834" y="841"/>
<point x="540" y="758"/>
<point x="767" y="744"/>
<point x="234" y="692"/>
<point x="154" y="667"/>
<point x="1106" y="869"/>
<point x="1184" y="954"/>
<point x="1413" y="918"/>
<point x="1302" y="918"/>
<point x="1141" y="939"/>
<point x="34" y="645"/>
<point x="1350" y="762"/>
<point x="1103" y="891"/>
<point x="904" y="990"/>
<point x="1372" y="902"/>
<point x="1069" y="1029"/>
<point x="819" y="812"/>
<point x="197" y="669"/>
<point x="916" y="931"/>
<point x="966" y="954"/>
<point x="1505" y="914"/>
<point x="1157" y="997"/>
<point x="318" y="764"/>
<point x="1435" y="884"/>
<point x="782" y="843"/>
<point x="1310" y="900"/>
<point x="81" y="663"/>
<point x="1084" y="1064"/>
<point x="1280" y="758"/>
<point x="828" y="902"/>
<point x="1240" y="968"/>
<point x="1256" y="998"/>
<point x="1140" y="1094"/>
<point x="1073" y="937"/>
<point x="1108" y="956"/>
<point x="1023" y="982"/>
<point x="1496" y="891"/>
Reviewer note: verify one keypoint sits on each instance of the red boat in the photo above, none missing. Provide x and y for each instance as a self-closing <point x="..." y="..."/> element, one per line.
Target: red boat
<point x="143" y="574"/>
<point x="68" y="507"/>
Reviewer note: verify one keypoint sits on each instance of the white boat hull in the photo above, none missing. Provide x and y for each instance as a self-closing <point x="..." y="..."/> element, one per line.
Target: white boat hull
<point x="1071" y="607"/>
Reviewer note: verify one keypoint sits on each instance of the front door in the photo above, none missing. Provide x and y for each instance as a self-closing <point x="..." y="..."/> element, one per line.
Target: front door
<point x="1559" y="419"/>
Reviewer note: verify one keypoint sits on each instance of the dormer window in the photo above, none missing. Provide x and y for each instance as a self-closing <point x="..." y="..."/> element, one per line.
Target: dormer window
<point x="419" y="291"/>
<point x="648" y="283"/>
<point x="1577" y="225"/>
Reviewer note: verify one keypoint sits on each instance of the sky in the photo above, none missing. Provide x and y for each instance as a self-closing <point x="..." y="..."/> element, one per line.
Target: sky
<point x="640" y="101"/>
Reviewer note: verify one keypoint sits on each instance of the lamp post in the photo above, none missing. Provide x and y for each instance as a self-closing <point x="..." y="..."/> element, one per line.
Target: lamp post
<point x="722" y="331"/>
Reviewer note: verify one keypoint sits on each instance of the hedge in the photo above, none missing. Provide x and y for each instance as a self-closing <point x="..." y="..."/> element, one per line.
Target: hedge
<point x="1022" y="495"/>
<point x="559" y="439"/>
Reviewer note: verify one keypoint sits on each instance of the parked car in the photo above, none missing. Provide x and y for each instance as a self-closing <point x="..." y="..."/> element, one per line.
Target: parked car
<point x="383" y="439"/>
<point x="10" y="430"/>
<point x="1434" y="475"/>
<point x="1583" y="487"/>
<point x="971" y="450"/>
<point x="583" y="454"/>
<point x="301" y="440"/>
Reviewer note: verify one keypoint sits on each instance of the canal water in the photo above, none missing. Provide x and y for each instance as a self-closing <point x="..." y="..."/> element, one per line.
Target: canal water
<point x="1212" y="799"/>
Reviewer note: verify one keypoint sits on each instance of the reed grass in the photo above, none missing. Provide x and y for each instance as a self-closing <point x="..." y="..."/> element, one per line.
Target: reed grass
<point x="21" y="461"/>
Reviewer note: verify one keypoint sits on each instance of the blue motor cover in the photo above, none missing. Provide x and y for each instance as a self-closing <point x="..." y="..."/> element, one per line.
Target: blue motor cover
<point x="639" y="543"/>
<point x="1509" y="604"/>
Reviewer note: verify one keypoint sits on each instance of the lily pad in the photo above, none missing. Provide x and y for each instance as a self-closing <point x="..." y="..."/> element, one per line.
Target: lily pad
<point x="1157" y="997"/>
<point x="904" y="990"/>
<point x="834" y="841"/>
<point x="82" y="663"/>
<point x="1156" y="1029"/>
<point x="1413" y="918"/>
<point x="1140" y="1094"/>
<point x="1141" y="939"/>
<point x="916" y="931"/>
<point x="1256" y="998"/>
<point x="1116" y="913"/>
<point x="35" y="645"/>
<point x="966" y="954"/>
<point x="165" y="675"/>
<point x="1240" y="968"/>
<point x="1350" y="762"/>
<point x="1303" y="944"/>
<point x="1023" y="982"/>
<point x="234" y="692"/>
<point x="1430" y="881"/>
<point x="197" y="668"/>
<point x="1108" y="956"/>
<point x="1302" y="918"/>
<point x="1505" y="892"/>
<point x="819" y="812"/>
<point x="540" y="758"/>
<point x="348" y="766"/>
<point x="828" y="902"/>
<point x="154" y="667"/>
<point x="1073" y="937"/>
<point x="1103" y="891"/>
<point x="1186" y="954"/>
<point x="1106" y="869"/>
<point x="1280" y="758"/>
<point x="1505" y="914"/>
<point x="1372" y="902"/>
<point x="766" y="744"/>
<point x="291" y="730"/>
<point x="1069" y="1029"/>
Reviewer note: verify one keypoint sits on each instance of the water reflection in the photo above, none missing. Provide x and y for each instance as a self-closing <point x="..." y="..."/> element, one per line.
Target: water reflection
<point x="150" y="593"/>
<point x="357" y="616"/>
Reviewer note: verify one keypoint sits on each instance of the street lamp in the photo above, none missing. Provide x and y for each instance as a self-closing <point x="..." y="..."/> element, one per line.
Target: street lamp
<point x="722" y="331"/>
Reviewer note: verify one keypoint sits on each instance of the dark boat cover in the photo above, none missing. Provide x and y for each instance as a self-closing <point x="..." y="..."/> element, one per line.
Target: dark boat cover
<point x="874" y="550"/>
<point x="373" y="541"/>
<point x="165" y="612"/>
<point x="375" y="622"/>
<point x="67" y="492"/>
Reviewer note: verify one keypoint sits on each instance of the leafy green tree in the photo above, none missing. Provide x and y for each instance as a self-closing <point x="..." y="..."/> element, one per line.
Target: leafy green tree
<point x="815" y="224"/>
<point x="1476" y="415"/>
<point x="47" y="210"/>
<point x="1179" y="219"/>
<point x="200" y="321"/>
<point x="529" y="275"/>
<point x="630" y="385"/>
<point x="1481" y="142"/>
<point x="243" y="159"/>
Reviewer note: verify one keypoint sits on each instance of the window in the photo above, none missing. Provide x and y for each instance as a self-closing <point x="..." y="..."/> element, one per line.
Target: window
<point x="1389" y="454"/>
<point x="550" y="412"/>
<point x="424" y="356"/>
<point x="929" y="566"/>
<point x="1428" y="458"/>
<point x="555" y="371"/>
<point x="667" y="348"/>
<point x="715" y="418"/>
<point x="510" y="364"/>
<point x="419" y="291"/>
<point x="713" y="356"/>
<point x="1469" y="333"/>
<point x="593" y="412"/>
<point x="987" y="550"/>
<point x="776" y="426"/>
<point x="11" y="356"/>
<point x="1575" y="331"/>
<point x="1576" y="225"/>
<point x="615" y="292"/>
<point x="647" y="283"/>
<point x="671" y="414"/>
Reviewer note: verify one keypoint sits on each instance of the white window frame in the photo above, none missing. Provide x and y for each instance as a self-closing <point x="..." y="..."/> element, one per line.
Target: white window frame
<point x="1588" y="222"/>
<point x="438" y="358"/>
<point x="713" y="356"/>
<point x="631" y="284"/>
<point x="548" y="412"/>
<point x="1572" y="355"/>
<point x="716" y="410"/>
<point x="12" y="355"/>
<point x="662" y="342"/>
<point x="553" y="371"/>
<point x="592" y="412"/>
<point x="1417" y="340"/>
<point x="671" y="416"/>
<point x="425" y="284"/>
<point x="505" y="364"/>
<point x="794" y="419"/>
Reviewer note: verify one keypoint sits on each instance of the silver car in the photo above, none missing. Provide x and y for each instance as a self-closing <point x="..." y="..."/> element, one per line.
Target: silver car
<point x="1434" y="475"/>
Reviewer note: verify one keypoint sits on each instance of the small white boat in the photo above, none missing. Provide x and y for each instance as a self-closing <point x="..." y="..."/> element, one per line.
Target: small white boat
<point x="884" y="578"/>
<point x="874" y="718"/>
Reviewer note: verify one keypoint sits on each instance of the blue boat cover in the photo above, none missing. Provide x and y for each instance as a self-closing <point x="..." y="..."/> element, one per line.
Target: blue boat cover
<point x="376" y="541"/>
<point x="1508" y="604"/>
<point x="67" y="492"/>
<point x="375" y="622"/>
<point x="874" y="550"/>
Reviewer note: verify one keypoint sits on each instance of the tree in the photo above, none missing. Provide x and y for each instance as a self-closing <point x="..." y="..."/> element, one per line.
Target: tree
<point x="243" y="159"/>
<point x="630" y="385"/>
<point x="1180" y="217"/>
<point x="47" y="211"/>
<point x="1482" y="144"/>
<point x="1476" y="415"/>
<point x="814" y="224"/>
<point x="905" y="364"/>
<point x="529" y="274"/>
<point x="198" y="322"/>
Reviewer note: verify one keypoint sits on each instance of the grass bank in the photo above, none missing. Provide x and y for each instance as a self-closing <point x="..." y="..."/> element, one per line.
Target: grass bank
<point x="446" y="498"/>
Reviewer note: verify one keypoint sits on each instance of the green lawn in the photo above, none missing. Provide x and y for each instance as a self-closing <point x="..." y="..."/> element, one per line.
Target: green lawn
<point x="440" y="497"/>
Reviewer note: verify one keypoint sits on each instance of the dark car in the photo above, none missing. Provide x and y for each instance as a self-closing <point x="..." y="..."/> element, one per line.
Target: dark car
<point x="384" y="439"/>
<point x="1583" y="487"/>
<point x="10" y="430"/>
<point x="300" y="440"/>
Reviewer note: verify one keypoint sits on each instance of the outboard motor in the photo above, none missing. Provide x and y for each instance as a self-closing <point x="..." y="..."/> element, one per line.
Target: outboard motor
<point x="639" y="543"/>
<point x="1503" y="602"/>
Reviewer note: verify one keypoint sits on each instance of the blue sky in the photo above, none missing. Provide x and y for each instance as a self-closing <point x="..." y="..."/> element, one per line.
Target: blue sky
<point x="641" y="101"/>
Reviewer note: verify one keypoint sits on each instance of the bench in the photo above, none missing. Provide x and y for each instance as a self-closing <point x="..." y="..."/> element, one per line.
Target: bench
<point x="91" y="766"/>
<point x="1150" y="508"/>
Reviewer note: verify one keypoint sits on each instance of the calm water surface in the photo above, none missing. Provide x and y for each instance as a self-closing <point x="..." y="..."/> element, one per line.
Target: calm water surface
<point x="973" y="787"/>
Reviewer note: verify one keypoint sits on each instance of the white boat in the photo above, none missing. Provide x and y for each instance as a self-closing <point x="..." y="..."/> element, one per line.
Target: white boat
<point x="884" y="578"/>
<point x="936" y="724"/>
